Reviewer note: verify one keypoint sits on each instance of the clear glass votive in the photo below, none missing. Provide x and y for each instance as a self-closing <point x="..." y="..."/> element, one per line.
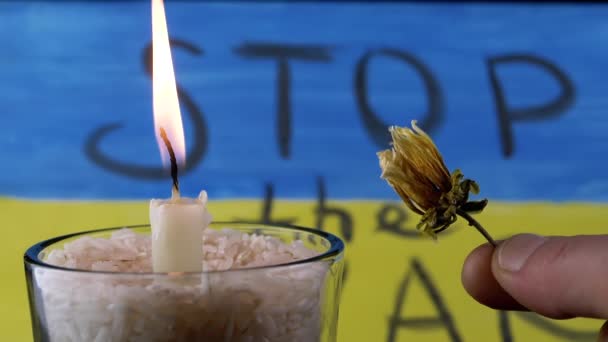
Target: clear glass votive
<point x="285" y="300"/>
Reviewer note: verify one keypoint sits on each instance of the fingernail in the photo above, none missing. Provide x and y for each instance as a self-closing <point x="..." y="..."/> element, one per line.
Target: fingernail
<point x="513" y="253"/>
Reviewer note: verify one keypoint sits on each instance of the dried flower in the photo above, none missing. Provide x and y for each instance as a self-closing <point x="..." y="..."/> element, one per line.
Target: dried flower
<point x="415" y="169"/>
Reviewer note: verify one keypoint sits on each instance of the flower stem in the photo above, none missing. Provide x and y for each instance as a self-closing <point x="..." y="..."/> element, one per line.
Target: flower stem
<point x="477" y="225"/>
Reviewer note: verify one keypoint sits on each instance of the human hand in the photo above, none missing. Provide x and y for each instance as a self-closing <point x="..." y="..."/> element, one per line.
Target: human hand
<point x="558" y="277"/>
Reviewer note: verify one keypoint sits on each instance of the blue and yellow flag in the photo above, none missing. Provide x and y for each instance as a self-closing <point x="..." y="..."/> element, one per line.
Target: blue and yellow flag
<point x="285" y="106"/>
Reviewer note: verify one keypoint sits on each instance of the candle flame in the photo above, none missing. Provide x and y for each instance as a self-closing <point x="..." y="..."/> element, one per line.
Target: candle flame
<point x="164" y="91"/>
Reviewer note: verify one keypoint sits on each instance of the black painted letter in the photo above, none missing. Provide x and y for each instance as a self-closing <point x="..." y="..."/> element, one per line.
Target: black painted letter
<point x="506" y="115"/>
<point x="505" y="326"/>
<point x="323" y="211"/>
<point x="199" y="145"/>
<point x="283" y="53"/>
<point x="443" y="320"/>
<point x="266" y="216"/>
<point x="377" y="129"/>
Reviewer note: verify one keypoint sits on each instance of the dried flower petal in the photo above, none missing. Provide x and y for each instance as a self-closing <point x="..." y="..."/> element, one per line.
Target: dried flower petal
<point x="415" y="169"/>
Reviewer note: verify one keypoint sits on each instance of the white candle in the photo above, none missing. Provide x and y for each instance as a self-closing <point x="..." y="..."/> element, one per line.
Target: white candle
<point x="177" y="223"/>
<point x="177" y="232"/>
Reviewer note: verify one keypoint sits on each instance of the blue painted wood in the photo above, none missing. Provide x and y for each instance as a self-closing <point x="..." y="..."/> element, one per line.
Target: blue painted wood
<point x="68" y="68"/>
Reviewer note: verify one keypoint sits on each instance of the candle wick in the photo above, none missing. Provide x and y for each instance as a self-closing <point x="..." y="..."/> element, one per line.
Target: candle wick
<point x="163" y="136"/>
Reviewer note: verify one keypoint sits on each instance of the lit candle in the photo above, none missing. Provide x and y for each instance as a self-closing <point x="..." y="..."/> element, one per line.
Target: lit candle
<point x="177" y="223"/>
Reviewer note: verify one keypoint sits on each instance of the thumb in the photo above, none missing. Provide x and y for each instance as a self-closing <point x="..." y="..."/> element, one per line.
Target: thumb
<point x="559" y="277"/>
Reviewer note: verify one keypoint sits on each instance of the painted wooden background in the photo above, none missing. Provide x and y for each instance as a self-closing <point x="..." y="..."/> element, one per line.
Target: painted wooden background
<point x="285" y="105"/>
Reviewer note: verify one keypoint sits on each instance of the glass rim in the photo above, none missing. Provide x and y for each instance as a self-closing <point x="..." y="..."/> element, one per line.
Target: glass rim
<point x="336" y="248"/>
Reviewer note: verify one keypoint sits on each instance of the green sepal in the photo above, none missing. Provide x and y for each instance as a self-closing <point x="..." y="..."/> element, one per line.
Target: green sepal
<point x="474" y="206"/>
